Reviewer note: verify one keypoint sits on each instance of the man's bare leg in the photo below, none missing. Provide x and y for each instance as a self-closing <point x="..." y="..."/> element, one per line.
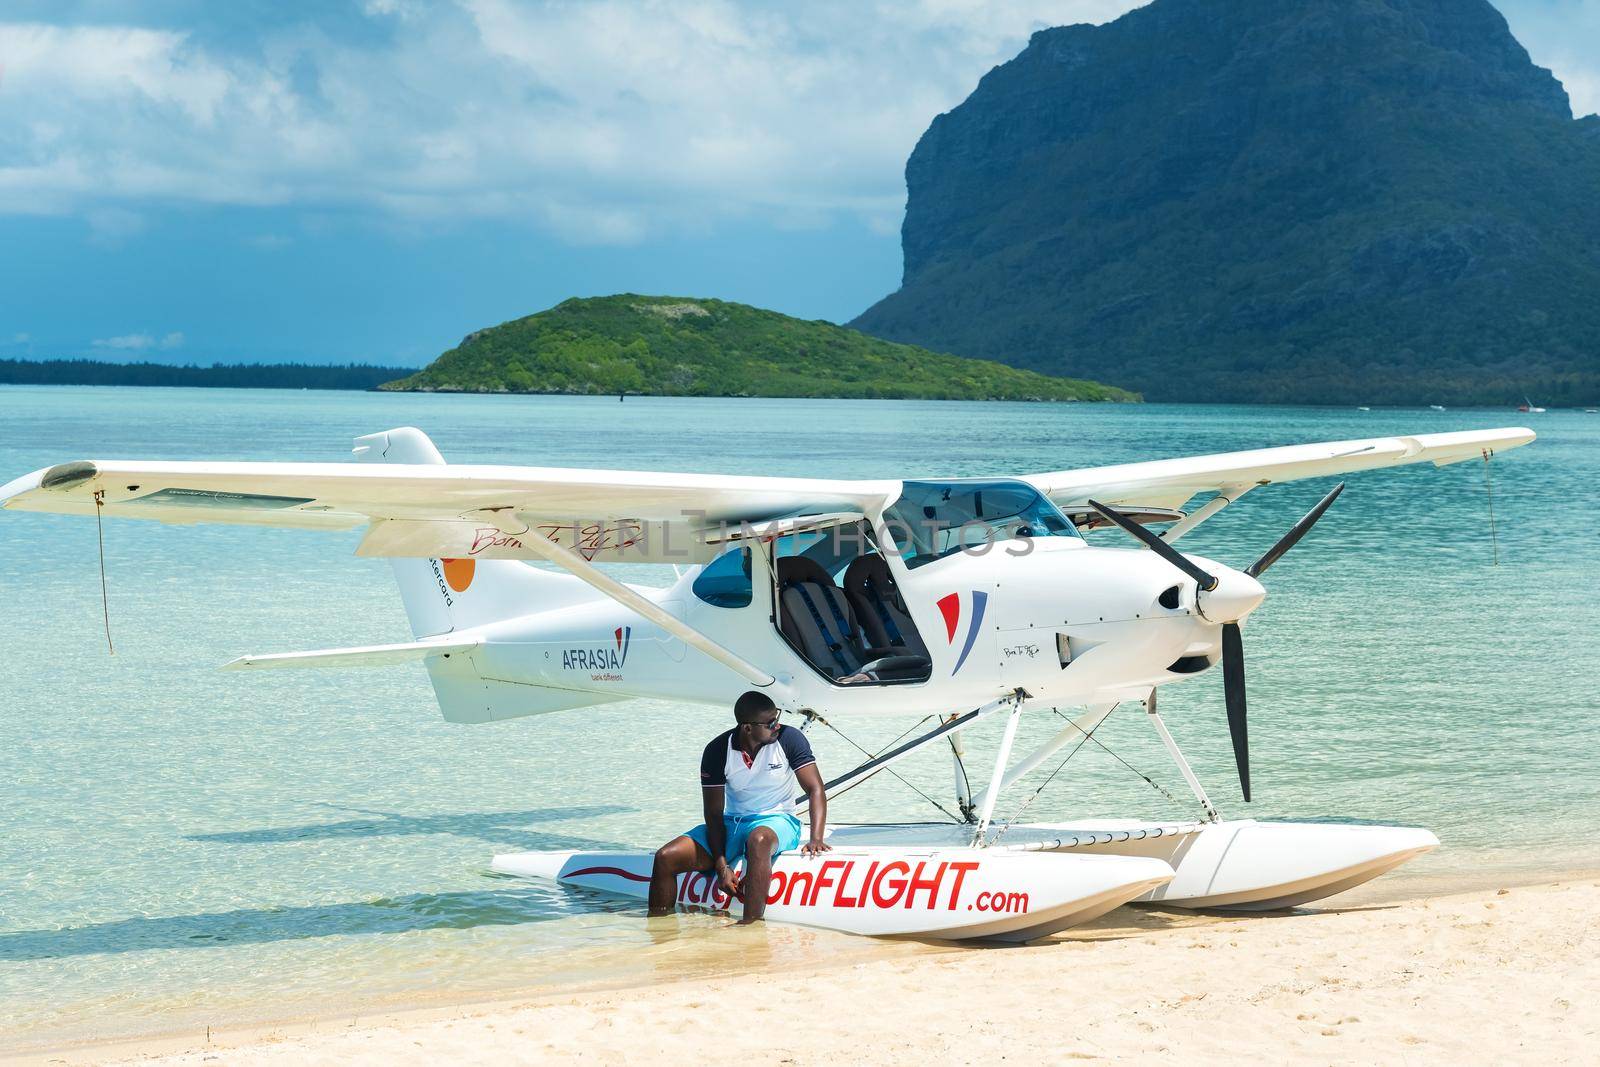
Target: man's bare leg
<point x="678" y="856"/>
<point x="757" y="872"/>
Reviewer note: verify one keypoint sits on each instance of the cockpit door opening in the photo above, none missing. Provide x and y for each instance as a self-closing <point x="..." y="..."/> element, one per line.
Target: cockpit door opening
<point x="838" y="607"/>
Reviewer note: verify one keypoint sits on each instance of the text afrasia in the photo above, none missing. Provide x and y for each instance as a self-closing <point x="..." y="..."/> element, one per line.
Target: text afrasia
<point x="598" y="658"/>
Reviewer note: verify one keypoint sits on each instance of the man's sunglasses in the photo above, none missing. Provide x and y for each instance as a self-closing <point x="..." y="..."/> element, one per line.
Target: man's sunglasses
<point x="769" y="724"/>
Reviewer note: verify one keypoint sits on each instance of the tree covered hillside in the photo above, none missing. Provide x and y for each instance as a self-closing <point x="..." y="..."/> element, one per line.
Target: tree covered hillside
<point x="677" y="346"/>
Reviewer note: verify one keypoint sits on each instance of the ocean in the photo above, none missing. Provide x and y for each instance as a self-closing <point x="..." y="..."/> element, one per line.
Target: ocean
<point x="184" y="846"/>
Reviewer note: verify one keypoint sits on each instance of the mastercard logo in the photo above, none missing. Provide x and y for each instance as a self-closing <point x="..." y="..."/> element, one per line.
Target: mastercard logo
<point x="458" y="573"/>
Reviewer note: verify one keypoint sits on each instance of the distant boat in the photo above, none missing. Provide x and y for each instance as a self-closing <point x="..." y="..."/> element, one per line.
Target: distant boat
<point x="1435" y="407"/>
<point x="1591" y="411"/>
<point x="1527" y="407"/>
<point x="1363" y="409"/>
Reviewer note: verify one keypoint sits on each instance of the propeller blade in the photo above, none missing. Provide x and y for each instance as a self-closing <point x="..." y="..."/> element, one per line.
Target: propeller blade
<point x="1233" y="690"/>
<point x="1206" y="580"/>
<point x="1288" y="540"/>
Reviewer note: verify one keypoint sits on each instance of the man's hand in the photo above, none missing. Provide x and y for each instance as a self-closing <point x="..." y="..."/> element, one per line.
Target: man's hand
<point x="728" y="881"/>
<point x="817" y="798"/>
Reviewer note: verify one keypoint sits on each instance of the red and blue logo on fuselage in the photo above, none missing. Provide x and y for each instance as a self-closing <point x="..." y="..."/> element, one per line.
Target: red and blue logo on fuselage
<point x="950" y="608"/>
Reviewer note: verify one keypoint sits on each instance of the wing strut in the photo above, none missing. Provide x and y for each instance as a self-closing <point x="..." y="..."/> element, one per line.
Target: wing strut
<point x="580" y="568"/>
<point x="1223" y="498"/>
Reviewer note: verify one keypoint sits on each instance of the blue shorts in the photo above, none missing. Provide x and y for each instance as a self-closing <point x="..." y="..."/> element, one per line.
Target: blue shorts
<point x="737" y="830"/>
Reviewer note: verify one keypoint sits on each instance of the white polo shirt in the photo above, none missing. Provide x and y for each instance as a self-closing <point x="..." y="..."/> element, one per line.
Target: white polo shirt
<point x="762" y="785"/>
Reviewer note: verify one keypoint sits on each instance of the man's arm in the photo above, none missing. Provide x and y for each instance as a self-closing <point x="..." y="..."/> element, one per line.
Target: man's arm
<point x="810" y="780"/>
<point x="716" y="833"/>
<point x="716" y="837"/>
<point x="713" y="792"/>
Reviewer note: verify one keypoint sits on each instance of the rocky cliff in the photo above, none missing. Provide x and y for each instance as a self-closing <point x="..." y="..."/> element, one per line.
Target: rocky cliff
<point x="1369" y="201"/>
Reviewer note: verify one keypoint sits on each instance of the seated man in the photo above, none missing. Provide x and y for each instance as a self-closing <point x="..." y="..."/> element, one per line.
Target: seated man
<point x="747" y="784"/>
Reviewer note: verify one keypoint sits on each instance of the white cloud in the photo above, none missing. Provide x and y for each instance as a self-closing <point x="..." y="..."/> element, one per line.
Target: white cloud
<point x="111" y="64"/>
<point x="391" y="8"/>
<point x="1582" y="83"/>
<point x="139" y="342"/>
<point x="1564" y="36"/>
<point x="128" y="342"/>
<point x="602" y="121"/>
<point x="111" y="226"/>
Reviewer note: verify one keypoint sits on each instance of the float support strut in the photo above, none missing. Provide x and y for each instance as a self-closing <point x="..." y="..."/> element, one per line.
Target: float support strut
<point x="1177" y="756"/>
<point x="963" y="786"/>
<point x="992" y="794"/>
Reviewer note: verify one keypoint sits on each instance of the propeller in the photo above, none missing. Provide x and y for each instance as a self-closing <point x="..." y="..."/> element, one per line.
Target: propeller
<point x="1292" y="538"/>
<point x="1203" y="578"/>
<point x="1232" y="643"/>
<point x="1233" y="694"/>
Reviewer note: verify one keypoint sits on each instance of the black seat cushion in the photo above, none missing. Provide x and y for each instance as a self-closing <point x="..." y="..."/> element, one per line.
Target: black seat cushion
<point x="879" y="606"/>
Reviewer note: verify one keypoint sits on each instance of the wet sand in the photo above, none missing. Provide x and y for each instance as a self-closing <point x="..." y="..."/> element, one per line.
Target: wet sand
<point x="1499" y="975"/>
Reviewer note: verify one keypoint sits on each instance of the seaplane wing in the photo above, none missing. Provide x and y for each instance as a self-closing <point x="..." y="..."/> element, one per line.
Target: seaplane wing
<point x="438" y="510"/>
<point x="1166" y="485"/>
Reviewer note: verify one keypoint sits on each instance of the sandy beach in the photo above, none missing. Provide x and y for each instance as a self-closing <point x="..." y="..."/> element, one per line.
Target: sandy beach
<point x="1503" y="975"/>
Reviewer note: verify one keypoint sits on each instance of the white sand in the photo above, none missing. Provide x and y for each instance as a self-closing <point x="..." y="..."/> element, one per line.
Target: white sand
<point x="1487" y="977"/>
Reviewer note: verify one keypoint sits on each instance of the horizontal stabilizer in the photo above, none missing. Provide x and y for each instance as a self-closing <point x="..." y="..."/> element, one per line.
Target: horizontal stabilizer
<point x="360" y="656"/>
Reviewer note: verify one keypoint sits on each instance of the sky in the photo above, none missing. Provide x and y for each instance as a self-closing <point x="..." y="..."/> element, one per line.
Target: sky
<point x="370" y="180"/>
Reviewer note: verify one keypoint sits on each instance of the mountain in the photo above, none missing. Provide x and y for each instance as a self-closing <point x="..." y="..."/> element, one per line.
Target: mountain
<point x="1351" y="201"/>
<point x="678" y="346"/>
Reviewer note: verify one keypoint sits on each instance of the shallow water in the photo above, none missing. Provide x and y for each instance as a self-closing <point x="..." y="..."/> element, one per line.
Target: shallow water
<point x="185" y="846"/>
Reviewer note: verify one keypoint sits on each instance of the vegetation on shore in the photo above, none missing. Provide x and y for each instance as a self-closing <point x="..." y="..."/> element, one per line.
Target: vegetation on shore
<point x="218" y="375"/>
<point x="678" y="346"/>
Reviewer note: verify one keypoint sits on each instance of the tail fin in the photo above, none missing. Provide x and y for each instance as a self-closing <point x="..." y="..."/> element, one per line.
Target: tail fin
<point x="445" y="595"/>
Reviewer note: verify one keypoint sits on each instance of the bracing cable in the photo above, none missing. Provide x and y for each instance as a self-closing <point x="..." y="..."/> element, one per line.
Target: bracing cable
<point x="887" y="770"/>
<point x="1152" y="782"/>
<point x="1087" y="736"/>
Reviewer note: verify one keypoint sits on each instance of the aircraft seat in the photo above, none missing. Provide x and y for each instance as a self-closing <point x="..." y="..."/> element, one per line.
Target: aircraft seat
<point x="818" y="619"/>
<point x="871" y="591"/>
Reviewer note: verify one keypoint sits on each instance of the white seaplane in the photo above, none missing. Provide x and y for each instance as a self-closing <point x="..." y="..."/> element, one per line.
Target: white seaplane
<point x="963" y="599"/>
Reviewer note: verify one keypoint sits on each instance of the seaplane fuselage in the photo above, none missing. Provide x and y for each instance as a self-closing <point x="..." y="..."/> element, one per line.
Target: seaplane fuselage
<point x="1068" y="622"/>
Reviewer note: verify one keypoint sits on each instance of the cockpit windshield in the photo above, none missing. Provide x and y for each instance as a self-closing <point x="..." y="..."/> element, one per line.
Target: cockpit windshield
<point x="931" y="520"/>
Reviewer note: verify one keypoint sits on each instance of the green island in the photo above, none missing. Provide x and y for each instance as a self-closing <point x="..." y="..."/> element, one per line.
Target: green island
<point x="682" y="346"/>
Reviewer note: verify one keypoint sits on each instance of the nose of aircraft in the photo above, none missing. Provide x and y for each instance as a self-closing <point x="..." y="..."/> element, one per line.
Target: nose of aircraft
<point x="1235" y="596"/>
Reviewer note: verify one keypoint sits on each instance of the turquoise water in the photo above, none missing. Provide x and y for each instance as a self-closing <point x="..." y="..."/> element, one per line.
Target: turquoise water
<point x="184" y="846"/>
